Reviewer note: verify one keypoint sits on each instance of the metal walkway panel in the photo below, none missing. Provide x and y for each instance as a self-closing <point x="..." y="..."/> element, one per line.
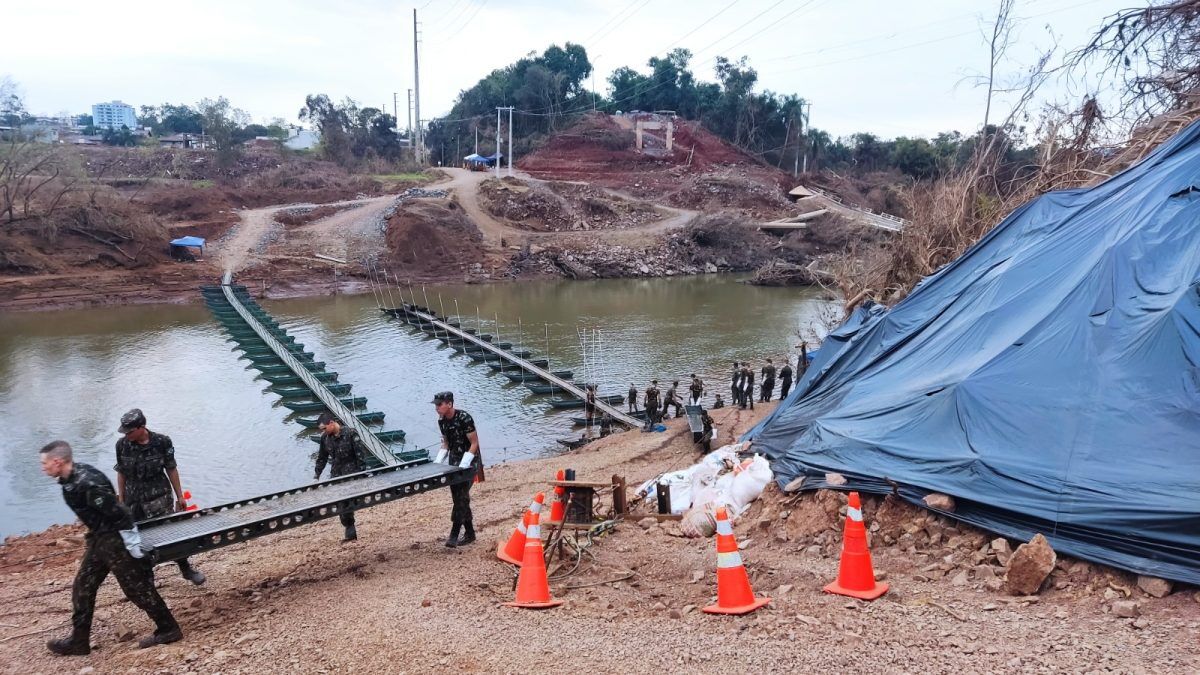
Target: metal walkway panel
<point x="180" y="535"/>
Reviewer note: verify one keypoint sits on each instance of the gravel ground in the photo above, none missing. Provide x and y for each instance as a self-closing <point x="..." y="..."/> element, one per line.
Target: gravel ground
<point x="398" y="601"/>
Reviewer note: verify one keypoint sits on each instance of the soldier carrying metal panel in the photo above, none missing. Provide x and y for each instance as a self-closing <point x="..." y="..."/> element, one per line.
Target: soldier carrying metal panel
<point x="148" y="478"/>
<point x="113" y="545"/>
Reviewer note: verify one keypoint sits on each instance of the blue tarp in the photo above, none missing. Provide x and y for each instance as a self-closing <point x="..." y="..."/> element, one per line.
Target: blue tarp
<point x="188" y="241"/>
<point x="1048" y="379"/>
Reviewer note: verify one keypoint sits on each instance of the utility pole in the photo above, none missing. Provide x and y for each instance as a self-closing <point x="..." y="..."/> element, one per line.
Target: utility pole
<point x="498" y="109"/>
<point x="510" y="145"/>
<point x="805" y="125"/>
<point x="477" y="138"/>
<point x="420" y="155"/>
<point x="396" y="109"/>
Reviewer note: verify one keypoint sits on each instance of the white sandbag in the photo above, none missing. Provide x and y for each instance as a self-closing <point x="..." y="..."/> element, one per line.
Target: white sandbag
<point x="746" y="485"/>
<point x="700" y="521"/>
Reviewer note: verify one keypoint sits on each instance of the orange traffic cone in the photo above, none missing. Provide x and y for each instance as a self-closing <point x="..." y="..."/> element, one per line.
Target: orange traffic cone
<point x="557" y="509"/>
<point x="856" y="577"/>
<point x="514" y="550"/>
<point x="734" y="595"/>
<point x="187" y="496"/>
<point x="533" y="588"/>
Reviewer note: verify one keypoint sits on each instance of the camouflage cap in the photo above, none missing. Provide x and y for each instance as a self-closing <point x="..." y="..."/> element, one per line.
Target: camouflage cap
<point x="131" y="420"/>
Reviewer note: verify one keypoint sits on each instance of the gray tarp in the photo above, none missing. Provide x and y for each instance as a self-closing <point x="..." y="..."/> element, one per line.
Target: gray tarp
<point x="1048" y="379"/>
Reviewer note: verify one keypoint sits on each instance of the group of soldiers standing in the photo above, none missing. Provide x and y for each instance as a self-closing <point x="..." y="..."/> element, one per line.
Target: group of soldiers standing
<point x="741" y="384"/>
<point x="741" y="388"/>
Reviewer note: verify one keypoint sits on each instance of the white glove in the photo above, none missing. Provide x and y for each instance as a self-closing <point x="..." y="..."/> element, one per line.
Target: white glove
<point x="468" y="457"/>
<point x="133" y="542"/>
<point x="441" y="456"/>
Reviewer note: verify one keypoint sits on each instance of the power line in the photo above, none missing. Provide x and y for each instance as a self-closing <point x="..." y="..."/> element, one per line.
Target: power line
<point x="471" y="18"/>
<point x="706" y="22"/>
<point x="774" y="24"/>
<point x="627" y="17"/>
<point x="604" y="25"/>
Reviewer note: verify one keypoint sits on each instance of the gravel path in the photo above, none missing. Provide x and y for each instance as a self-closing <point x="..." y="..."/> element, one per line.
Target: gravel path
<point x="397" y="601"/>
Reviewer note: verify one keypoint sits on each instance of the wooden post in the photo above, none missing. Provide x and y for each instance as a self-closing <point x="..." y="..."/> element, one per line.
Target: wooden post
<point x="620" y="505"/>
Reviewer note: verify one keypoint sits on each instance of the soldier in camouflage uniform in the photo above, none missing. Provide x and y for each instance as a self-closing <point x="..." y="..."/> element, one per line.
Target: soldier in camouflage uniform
<point x="147" y="478"/>
<point x="344" y="451"/>
<point x="458" y="439"/>
<point x="113" y="545"/>
<point x="652" y="404"/>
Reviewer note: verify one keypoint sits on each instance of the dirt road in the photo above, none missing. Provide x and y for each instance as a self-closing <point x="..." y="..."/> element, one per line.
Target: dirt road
<point x="398" y="601"/>
<point x="465" y="184"/>
<point x="345" y="233"/>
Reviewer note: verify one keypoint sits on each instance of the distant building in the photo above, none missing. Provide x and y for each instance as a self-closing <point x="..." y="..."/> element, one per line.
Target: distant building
<point x="113" y="115"/>
<point x="302" y="139"/>
<point x="187" y="141"/>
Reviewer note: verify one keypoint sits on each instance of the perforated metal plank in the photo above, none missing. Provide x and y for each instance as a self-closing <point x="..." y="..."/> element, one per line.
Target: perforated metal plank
<point x="180" y="535"/>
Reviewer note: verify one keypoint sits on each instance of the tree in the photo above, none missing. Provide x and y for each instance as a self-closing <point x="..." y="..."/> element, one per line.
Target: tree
<point x="122" y="137"/>
<point x="219" y="127"/>
<point x="915" y="157"/>
<point x="867" y="151"/>
<point x="333" y="124"/>
<point x="12" y="104"/>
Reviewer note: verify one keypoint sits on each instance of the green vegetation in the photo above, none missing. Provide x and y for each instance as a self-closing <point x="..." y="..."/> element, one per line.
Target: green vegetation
<point x="352" y="136"/>
<point x="202" y="184"/>
<point x="549" y="93"/>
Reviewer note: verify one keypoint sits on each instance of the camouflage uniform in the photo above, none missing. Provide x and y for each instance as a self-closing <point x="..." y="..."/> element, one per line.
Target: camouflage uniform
<point x="785" y="381"/>
<point x="697" y="389"/>
<point x="344" y="452"/>
<point x="90" y="495"/>
<point x="632" y="402"/>
<point x="456" y="431"/>
<point x="148" y="491"/>
<point x="651" y="405"/>
<point x="672" y="399"/>
<point x="768" y="383"/>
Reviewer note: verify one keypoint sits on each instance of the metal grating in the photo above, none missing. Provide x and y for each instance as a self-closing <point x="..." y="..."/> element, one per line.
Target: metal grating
<point x="177" y="536"/>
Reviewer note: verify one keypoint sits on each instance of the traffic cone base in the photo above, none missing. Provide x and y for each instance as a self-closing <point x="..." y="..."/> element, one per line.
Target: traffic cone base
<point x="535" y="605"/>
<point x="836" y="588"/>
<point x="506" y="558"/>
<point x="744" y="609"/>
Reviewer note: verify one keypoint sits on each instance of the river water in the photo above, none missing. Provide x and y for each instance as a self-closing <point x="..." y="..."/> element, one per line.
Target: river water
<point x="71" y="374"/>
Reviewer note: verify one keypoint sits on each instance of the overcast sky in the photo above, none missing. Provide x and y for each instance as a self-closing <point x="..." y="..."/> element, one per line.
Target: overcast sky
<point x="892" y="68"/>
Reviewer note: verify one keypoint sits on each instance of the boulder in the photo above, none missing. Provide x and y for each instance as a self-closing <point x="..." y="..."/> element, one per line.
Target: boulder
<point x="1029" y="566"/>
<point x="1154" y="587"/>
<point x="939" y="502"/>
<point x="1126" y="609"/>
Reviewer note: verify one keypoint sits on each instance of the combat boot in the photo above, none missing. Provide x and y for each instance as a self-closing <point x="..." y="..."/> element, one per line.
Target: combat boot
<point x="452" y="540"/>
<point x="468" y="535"/>
<point x="161" y="638"/>
<point x="69" y="646"/>
<point x="192" y="574"/>
<point x="351" y="533"/>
